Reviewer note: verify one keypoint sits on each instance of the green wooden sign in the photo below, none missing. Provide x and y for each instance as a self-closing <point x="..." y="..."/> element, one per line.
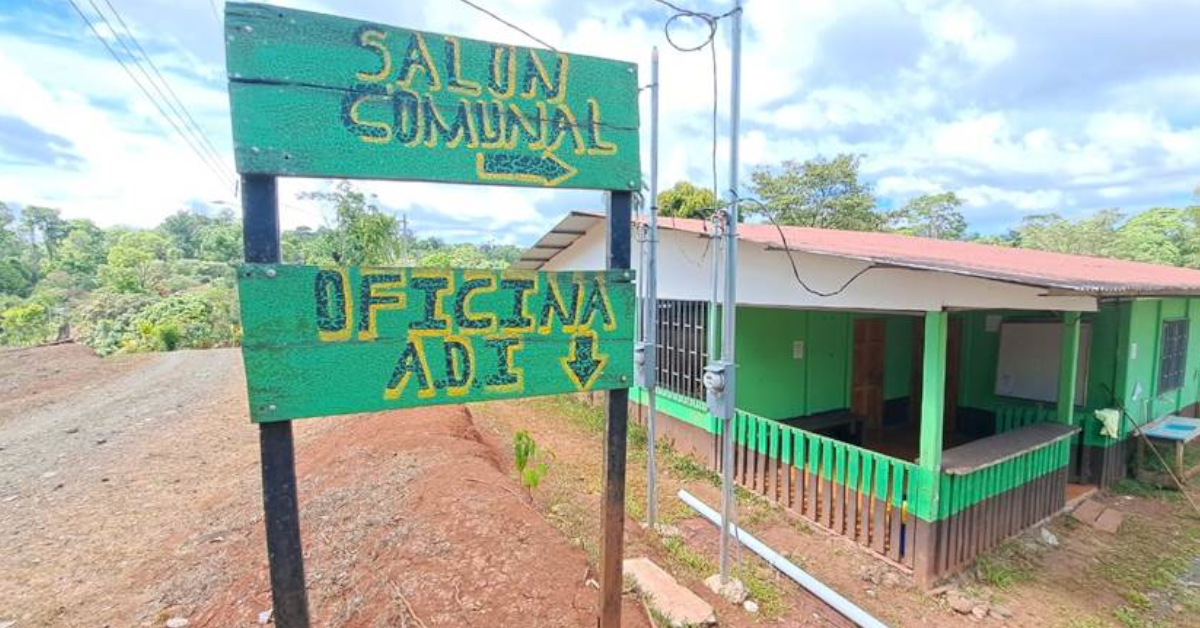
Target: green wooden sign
<point x="322" y="341"/>
<point x="322" y="96"/>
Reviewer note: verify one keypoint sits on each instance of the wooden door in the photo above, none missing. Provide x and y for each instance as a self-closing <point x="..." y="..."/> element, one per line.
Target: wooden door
<point x="866" y="387"/>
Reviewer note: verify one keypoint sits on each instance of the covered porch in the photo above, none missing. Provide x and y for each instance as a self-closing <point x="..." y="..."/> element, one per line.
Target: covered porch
<point x="920" y="397"/>
<point x="845" y="418"/>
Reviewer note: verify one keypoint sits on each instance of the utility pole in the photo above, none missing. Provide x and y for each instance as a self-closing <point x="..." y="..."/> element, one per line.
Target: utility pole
<point x="651" y="312"/>
<point x="730" y="305"/>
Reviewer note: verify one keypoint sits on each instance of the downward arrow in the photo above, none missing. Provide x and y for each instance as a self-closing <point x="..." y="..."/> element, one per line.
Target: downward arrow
<point x="584" y="363"/>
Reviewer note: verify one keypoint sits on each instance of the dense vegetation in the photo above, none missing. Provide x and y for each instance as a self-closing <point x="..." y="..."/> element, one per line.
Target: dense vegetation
<point x="828" y="193"/>
<point x="121" y="289"/>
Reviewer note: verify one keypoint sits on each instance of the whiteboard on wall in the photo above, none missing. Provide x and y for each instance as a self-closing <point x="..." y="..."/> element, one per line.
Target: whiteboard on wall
<point x="1027" y="367"/>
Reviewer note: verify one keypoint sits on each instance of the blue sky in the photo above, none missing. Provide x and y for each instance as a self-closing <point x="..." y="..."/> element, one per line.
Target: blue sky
<point x="1020" y="107"/>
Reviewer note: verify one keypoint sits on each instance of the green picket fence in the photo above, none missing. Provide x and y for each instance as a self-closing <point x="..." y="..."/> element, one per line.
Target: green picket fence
<point x="1011" y="417"/>
<point x="852" y="491"/>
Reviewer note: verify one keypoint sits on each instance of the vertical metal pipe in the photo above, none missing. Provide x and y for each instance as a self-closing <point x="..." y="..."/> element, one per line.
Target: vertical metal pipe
<point x="729" y="312"/>
<point x="281" y="509"/>
<point x="616" y="426"/>
<point x="651" y="281"/>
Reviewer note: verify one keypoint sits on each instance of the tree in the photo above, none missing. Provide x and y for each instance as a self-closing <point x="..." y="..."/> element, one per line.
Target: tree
<point x="1159" y="236"/>
<point x="931" y="216"/>
<point x="820" y="192"/>
<point x="363" y="234"/>
<point x="137" y="262"/>
<point x="9" y="244"/>
<point x="44" y="227"/>
<point x="684" y="200"/>
<point x="1093" y="235"/>
<point x="220" y="241"/>
<point x="460" y="256"/>
<point x="184" y="228"/>
<point x="81" y="252"/>
<point x="27" y="324"/>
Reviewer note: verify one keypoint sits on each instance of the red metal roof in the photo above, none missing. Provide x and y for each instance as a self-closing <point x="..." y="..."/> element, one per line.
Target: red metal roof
<point x="1076" y="273"/>
<point x="1058" y="271"/>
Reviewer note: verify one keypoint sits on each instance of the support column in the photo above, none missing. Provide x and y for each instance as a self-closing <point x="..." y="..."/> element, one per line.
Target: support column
<point x="616" y="419"/>
<point x="1068" y="366"/>
<point x="933" y="407"/>
<point x="933" y="392"/>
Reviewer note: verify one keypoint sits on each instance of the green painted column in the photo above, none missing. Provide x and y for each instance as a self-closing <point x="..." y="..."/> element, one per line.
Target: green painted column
<point x="1068" y="366"/>
<point x="933" y="393"/>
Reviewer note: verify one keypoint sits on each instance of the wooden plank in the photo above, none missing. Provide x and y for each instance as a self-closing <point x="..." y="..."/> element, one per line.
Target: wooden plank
<point x="324" y="341"/>
<point x="992" y="450"/>
<point x="322" y="96"/>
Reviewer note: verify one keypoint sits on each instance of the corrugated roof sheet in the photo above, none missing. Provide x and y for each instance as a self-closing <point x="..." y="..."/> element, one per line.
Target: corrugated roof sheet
<point x="1059" y="271"/>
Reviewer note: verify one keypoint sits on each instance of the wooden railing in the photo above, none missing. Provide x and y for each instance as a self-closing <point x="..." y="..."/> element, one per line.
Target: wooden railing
<point x="979" y="510"/>
<point x="849" y="490"/>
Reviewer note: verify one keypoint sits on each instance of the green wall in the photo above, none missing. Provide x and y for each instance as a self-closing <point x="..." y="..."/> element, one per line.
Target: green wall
<point x="1115" y="369"/>
<point x="773" y="384"/>
<point x="1144" y="331"/>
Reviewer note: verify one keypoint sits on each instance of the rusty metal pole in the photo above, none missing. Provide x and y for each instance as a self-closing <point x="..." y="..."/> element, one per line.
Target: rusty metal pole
<point x="616" y="425"/>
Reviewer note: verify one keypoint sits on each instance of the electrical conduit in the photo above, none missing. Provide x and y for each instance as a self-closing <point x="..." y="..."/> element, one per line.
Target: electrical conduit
<point x="789" y="569"/>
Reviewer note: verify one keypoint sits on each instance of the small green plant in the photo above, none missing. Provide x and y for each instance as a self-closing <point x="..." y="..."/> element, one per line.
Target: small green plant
<point x="525" y="454"/>
<point x="168" y="336"/>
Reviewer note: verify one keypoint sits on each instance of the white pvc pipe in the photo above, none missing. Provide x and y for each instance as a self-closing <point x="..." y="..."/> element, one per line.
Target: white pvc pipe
<point x="789" y="569"/>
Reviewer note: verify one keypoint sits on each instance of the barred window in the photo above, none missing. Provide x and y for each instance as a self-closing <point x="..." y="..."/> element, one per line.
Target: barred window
<point x="1173" y="359"/>
<point x="682" y="346"/>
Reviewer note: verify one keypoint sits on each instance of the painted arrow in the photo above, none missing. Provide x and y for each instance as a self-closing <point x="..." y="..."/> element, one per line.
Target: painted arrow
<point x="544" y="169"/>
<point x="584" y="363"/>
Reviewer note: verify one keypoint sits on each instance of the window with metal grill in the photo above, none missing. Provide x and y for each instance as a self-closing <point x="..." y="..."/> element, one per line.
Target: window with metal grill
<point x="1173" y="359"/>
<point x="682" y="346"/>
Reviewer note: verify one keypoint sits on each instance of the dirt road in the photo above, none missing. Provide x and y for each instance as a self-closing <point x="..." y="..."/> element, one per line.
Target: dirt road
<point x="129" y="495"/>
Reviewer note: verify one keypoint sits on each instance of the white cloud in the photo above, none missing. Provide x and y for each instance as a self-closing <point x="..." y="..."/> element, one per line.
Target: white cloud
<point x="981" y="98"/>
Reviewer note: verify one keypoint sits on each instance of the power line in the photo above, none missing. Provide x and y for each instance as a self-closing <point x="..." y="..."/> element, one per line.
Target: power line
<point x="766" y="211"/>
<point x="508" y="24"/>
<point x="200" y="154"/>
<point x="172" y="99"/>
<point x="711" y="22"/>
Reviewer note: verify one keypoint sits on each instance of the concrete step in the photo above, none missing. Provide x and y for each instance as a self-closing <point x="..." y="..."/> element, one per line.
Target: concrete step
<point x="666" y="596"/>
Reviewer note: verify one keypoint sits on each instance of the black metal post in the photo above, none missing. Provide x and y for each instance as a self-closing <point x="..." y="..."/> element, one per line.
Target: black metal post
<point x="260" y="236"/>
<point x="616" y="424"/>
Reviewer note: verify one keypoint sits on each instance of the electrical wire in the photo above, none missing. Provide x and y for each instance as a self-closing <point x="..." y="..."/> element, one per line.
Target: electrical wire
<point x="157" y="105"/>
<point x="172" y="99"/>
<point x="508" y="24"/>
<point x="795" y="269"/>
<point x="710" y="21"/>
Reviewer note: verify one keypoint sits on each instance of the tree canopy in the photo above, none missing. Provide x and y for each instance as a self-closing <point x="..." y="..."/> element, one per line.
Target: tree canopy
<point x="685" y="200"/>
<point x="820" y="192"/>
<point x="121" y="289"/>
<point x="930" y="216"/>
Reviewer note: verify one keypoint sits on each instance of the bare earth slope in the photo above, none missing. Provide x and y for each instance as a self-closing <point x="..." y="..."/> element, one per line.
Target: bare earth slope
<point x="129" y="494"/>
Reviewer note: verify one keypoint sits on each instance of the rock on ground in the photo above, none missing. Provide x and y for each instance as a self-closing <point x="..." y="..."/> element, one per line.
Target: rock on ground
<point x="733" y="591"/>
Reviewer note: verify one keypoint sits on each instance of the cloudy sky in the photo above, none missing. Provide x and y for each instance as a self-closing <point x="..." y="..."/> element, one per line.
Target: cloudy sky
<point x="1019" y="106"/>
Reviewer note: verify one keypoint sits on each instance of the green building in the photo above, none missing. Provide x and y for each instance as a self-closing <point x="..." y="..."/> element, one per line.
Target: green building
<point x="927" y="399"/>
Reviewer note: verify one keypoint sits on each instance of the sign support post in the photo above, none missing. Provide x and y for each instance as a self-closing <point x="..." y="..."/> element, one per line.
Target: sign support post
<point x="616" y="427"/>
<point x="281" y="509"/>
<point x="322" y="96"/>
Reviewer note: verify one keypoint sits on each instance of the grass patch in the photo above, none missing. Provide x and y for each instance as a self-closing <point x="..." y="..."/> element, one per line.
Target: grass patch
<point x="1085" y="622"/>
<point x="762" y="586"/>
<point x="1146" y="563"/>
<point x="1005" y="566"/>
<point x="686" y="559"/>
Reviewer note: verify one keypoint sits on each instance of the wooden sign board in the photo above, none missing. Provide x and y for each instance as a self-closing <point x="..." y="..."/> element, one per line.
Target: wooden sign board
<point x="324" y="341"/>
<point x="321" y="96"/>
